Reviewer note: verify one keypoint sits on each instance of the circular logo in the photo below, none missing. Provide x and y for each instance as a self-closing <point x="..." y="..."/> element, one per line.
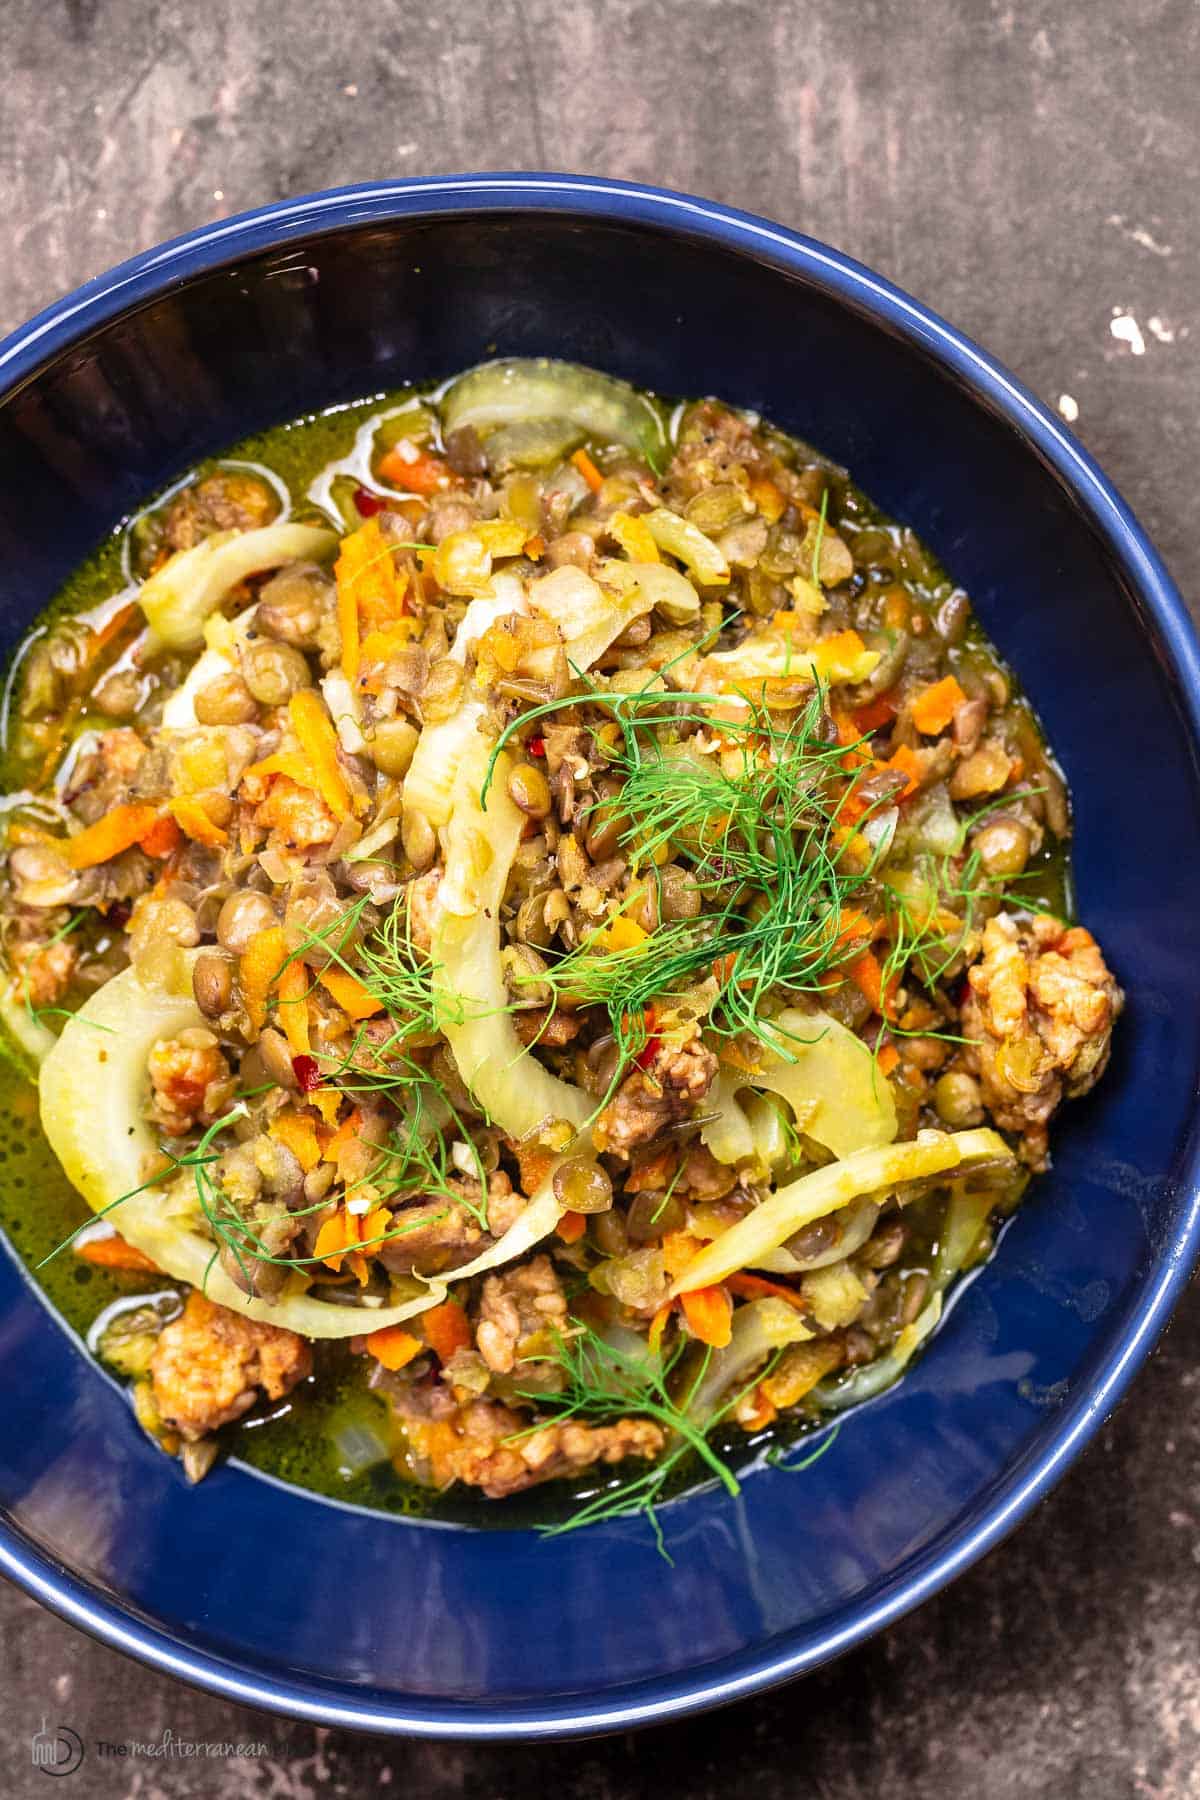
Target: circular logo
<point x="59" y="1753"/>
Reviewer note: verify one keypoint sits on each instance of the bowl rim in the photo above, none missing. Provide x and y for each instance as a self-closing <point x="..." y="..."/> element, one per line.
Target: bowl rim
<point x="656" y="1699"/>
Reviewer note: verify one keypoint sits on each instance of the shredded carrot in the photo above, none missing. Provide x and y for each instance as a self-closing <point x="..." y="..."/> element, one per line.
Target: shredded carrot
<point x="679" y="1248"/>
<point x="294" y="984"/>
<point x="297" y="1131"/>
<point x="370" y="590"/>
<point x="360" y="1234"/>
<point x="875" y="714"/>
<point x="393" y="1346"/>
<point x="534" y="1162"/>
<point x="887" y="1058"/>
<point x="345" y="1134"/>
<point x="118" y="830"/>
<point x="163" y="837"/>
<point x="116" y="625"/>
<point x="571" y="1227"/>
<point x="192" y="819"/>
<point x="327" y="1101"/>
<point x="908" y="763"/>
<point x="418" y="473"/>
<point x="535" y="547"/>
<point x="856" y="926"/>
<point x="723" y="967"/>
<point x="259" y="968"/>
<point x="757" y="1287"/>
<point x="282" y="762"/>
<point x="347" y="615"/>
<point x="318" y="740"/>
<point x="354" y="999"/>
<point x="114" y="1253"/>
<point x="709" y="1313"/>
<point x="935" y="706"/>
<point x="770" y="500"/>
<point x="446" y="1329"/>
<point x="866" y="972"/>
<point x="384" y="642"/>
<point x="588" y="470"/>
<point x="658" y="1325"/>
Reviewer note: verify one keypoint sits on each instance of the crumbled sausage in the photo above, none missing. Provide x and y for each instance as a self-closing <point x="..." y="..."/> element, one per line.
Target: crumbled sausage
<point x="209" y="1364"/>
<point x="299" y="815"/>
<point x="488" y="1446"/>
<point x="1040" y="1013"/>
<point x="43" y="971"/>
<point x="189" y="1079"/>
<point x="440" y="1234"/>
<point x="674" y="1081"/>
<point x="513" y="1308"/>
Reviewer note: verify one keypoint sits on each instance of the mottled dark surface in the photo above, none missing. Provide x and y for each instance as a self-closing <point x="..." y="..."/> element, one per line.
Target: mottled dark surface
<point x="1027" y="168"/>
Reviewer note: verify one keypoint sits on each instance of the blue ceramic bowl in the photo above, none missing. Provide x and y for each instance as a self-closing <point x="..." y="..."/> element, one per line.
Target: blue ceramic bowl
<point x="279" y="1599"/>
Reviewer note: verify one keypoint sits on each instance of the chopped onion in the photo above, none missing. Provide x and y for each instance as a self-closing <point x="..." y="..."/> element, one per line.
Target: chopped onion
<point x="664" y="588"/>
<point x="679" y="537"/>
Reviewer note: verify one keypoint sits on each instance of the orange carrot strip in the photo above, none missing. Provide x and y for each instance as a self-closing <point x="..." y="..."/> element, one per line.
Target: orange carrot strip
<point x="118" y="830"/>
<point x="535" y="1165"/>
<point x="877" y="713"/>
<point x="679" y="1248"/>
<point x="887" y="1058"/>
<point x="866" y="972"/>
<point x="709" y="1313"/>
<point x="297" y="1131"/>
<point x="756" y="1287"/>
<point x="318" y="740"/>
<point x="283" y="762"/>
<point x="935" y="706"/>
<point x="393" y="1346"/>
<point x="345" y="1134"/>
<point x="331" y="1244"/>
<point x="114" y="1253"/>
<point x="191" y="818"/>
<point x="350" y="994"/>
<point x="588" y="470"/>
<point x="293" y="1008"/>
<point x="258" y="970"/>
<point x="347" y="617"/>
<point x="423" y="473"/>
<point x="571" y="1227"/>
<point x="535" y="547"/>
<point x="115" y="625"/>
<point x="163" y="837"/>
<point x="908" y="763"/>
<point x="446" y="1329"/>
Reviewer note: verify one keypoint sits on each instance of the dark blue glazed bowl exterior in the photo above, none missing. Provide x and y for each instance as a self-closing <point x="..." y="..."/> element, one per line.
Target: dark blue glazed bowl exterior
<point x="279" y="1599"/>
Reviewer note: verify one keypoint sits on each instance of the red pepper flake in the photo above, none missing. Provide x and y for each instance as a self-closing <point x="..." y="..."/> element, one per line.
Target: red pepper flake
<point x="537" y="746"/>
<point x="305" y="1069"/>
<point x="367" y="503"/>
<point x="648" y="1052"/>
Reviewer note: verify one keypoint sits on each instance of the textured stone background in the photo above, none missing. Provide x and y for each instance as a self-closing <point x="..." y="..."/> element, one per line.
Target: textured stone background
<point x="1029" y="169"/>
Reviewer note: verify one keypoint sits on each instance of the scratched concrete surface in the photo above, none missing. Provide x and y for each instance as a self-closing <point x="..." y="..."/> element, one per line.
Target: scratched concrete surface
<point x="1029" y="168"/>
